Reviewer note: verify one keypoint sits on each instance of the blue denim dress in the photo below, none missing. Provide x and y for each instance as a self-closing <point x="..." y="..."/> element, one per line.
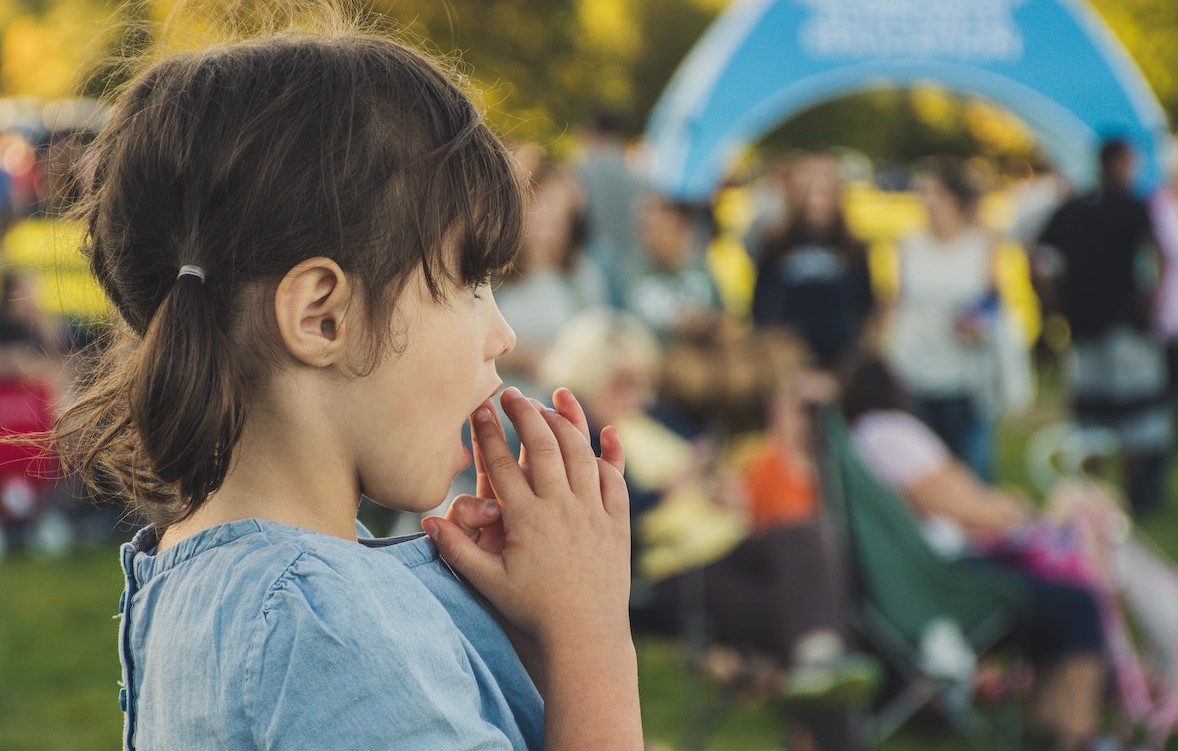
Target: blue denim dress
<point x="258" y="635"/>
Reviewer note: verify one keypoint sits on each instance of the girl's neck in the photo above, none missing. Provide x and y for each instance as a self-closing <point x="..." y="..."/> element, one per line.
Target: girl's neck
<point x="284" y="473"/>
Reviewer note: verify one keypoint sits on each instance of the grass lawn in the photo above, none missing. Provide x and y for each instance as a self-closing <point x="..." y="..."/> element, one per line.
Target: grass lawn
<point x="58" y="665"/>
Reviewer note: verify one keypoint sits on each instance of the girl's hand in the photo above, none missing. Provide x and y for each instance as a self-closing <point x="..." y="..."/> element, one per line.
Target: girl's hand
<point x="478" y="515"/>
<point x="562" y="568"/>
<point x="560" y="572"/>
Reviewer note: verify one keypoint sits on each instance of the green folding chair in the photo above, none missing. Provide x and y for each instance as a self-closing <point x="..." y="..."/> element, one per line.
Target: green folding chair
<point x="900" y="586"/>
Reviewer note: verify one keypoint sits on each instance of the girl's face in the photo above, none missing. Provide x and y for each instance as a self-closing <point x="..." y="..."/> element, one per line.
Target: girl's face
<point x="404" y="420"/>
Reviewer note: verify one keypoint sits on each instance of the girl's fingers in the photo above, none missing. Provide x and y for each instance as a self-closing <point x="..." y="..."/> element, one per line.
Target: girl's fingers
<point x="503" y="472"/>
<point x="482" y="569"/>
<point x="611" y="449"/>
<point x="544" y="461"/>
<point x="568" y="406"/>
<point x="580" y="462"/>
<point x="472" y="514"/>
<point x="482" y="483"/>
<point x="615" y="496"/>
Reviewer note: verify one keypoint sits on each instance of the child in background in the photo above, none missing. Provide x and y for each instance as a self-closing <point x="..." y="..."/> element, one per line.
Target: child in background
<point x="298" y="234"/>
<point x="675" y="296"/>
<point x="782" y="498"/>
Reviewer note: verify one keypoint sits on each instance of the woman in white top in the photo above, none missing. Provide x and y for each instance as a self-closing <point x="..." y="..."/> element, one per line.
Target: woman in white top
<point x="939" y="338"/>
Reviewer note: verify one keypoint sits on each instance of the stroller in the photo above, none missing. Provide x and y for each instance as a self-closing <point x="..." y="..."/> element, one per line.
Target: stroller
<point x="1093" y="542"/>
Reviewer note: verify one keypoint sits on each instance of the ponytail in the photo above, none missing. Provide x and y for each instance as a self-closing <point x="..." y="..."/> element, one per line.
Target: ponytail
<point x="160" y="413"/>
<point x="185" y="400"/>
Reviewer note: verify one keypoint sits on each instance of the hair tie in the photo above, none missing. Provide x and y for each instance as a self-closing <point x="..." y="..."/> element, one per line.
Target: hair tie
<point x="190" y="270"/>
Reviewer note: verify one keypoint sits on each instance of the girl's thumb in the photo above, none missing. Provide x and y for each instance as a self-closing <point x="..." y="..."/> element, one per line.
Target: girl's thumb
<point x="460" y="552"/>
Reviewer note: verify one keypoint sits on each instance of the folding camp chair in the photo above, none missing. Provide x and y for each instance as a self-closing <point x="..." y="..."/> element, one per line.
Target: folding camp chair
<point x="901" y="586"/>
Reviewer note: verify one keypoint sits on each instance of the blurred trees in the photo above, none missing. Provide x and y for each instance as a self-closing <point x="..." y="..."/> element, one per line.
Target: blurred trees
<point x="1148" y="28"/>
<point x="542" y="65"/>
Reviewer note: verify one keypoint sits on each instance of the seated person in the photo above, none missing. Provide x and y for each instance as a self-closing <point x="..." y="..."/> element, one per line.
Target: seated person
<point x="750" y="543"/>
<point x="962" y="518"/>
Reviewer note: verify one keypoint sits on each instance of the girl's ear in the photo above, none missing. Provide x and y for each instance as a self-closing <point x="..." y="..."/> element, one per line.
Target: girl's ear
<point x="310" y="306"/>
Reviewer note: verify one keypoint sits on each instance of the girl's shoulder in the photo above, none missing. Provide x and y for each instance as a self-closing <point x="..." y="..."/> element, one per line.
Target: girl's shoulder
<point x="374" y="591"/>
<point x="311" y="637"/>
<point x="258" y="568"/>
<point x="388" y="620"/>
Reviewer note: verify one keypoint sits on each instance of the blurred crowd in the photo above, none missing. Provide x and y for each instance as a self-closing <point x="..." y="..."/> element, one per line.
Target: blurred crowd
<point x="725" y="400"/>
<point x="719" y="398"/>
<point x="40" y="509"/>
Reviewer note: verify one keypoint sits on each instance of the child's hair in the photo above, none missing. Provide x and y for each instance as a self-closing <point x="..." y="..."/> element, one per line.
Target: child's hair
<point x="956" y="177"/>
<point x="245" y="160"/>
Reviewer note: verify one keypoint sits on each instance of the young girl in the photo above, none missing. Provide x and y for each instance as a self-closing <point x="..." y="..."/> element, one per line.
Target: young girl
<point x="297" y="233"/>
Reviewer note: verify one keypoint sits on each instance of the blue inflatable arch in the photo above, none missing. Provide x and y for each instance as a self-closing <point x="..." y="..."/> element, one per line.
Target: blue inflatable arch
<point x="1051" y="62"/>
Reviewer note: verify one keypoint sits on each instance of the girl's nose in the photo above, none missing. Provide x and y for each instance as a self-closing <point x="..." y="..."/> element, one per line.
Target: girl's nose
<point x="508" y="339"/>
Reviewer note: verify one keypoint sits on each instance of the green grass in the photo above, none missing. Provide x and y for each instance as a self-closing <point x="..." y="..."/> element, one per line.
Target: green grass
<point x="59" y="667"/>
<point x="58" y="662"/>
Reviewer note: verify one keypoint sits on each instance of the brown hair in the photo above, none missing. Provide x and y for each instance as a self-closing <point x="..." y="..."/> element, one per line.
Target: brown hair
<point x="956" y="177"/>
<point x="869" y="385"/>
<point x="577" y="223"/>
<point x="245" y="160"/>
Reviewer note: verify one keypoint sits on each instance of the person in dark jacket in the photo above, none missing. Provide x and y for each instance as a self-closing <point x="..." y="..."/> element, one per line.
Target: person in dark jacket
<point x="812" y="273"/>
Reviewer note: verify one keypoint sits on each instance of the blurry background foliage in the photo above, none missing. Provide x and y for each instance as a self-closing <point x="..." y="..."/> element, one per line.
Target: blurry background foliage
<point x="543" y="65"/>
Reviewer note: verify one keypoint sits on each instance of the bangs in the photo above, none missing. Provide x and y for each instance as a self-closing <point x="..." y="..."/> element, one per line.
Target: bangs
<point x="478" y="203"/>
<point x="494" y="218"/>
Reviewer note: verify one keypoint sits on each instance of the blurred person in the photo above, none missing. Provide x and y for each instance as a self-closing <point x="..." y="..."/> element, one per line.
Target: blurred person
<point x="22" y="319"/>
<point x="31" y="381"/>
<point x="963" y="518"/>
<point x="674" y="295"/>
<point x="551" y="280"/>
<point x="610" y="359"/>
<point x="812" y="274"/>
<point x="941" y="330"/>
<point x="1037" y="190"/>
<point x="24" y="174"/>
<point x="775" y="590"/>
<point x="771" y="195"/>
<point x="1116" y="367"/>
<point x="1163" y="212"/>
<point x="612" y="192"/>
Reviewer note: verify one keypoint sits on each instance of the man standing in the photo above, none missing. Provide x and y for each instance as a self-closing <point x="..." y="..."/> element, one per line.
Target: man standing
<point x="1106" y="292"/>
<point x="612" y="192"/>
